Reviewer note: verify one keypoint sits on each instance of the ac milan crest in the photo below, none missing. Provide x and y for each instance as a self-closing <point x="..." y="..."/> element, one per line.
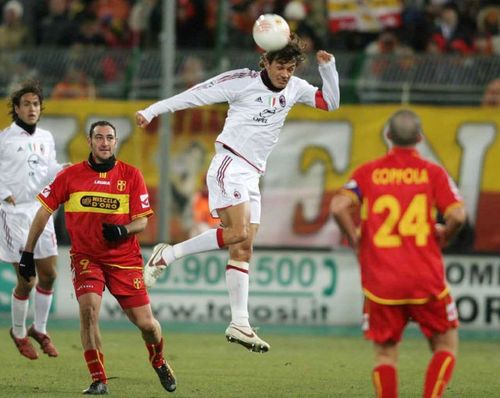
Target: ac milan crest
<point x="282" y="101"/>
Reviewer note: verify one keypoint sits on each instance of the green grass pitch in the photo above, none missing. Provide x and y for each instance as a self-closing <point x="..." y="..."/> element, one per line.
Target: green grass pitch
<point x="298" y="365"/>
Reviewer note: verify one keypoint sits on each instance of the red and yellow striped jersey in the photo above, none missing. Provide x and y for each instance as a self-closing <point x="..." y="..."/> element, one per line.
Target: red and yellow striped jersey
<point x="90" y="199"/>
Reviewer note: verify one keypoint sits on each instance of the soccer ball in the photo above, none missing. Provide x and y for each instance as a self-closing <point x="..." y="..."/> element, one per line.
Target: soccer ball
<point x="271" y="32"/>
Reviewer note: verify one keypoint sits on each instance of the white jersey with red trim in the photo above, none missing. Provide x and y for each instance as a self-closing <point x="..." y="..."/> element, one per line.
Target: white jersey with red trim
<point x="256" y="114"/>
<point x="27" y="163"/>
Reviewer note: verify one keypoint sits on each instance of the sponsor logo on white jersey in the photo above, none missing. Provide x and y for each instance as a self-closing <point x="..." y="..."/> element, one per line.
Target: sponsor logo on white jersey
<point x="33" y="161"/>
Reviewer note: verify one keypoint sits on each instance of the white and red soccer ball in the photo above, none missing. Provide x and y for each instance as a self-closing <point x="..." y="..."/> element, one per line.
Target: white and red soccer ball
<point x="271" y="32"/>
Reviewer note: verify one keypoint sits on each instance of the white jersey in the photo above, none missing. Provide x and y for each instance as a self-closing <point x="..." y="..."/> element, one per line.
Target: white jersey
<point x="27" y="163"/>
<point x="256" y="114"/>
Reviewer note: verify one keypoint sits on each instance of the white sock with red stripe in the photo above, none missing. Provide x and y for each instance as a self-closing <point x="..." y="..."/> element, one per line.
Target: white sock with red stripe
<point x="237" y="282"/>
<point x="206" y="241"/>
<point x="19" y="312"/>
<point x="43" y="300"/>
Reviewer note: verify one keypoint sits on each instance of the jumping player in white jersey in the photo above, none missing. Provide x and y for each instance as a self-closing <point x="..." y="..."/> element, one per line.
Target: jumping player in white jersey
<point x="27" y="163"/>
<point x="259" y="102"/>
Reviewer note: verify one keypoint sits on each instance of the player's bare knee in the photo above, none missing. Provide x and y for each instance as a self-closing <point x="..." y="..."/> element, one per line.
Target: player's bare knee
<point x="47" y="280"/>
<point x="23" y="287"/>
<point x="447" y="341"/>
<point x="146" y="326"/>
<point x="242" y="233"/>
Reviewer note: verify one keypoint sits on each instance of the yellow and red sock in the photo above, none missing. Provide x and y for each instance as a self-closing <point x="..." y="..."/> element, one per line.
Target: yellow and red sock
<point x="95" y="364"/>
<point x="439" y="373"/>
<point x="385" y="381"/>
<point x="156" y="354"/>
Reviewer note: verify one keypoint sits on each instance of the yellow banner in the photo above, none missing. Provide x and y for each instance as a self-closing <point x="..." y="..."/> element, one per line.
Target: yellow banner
<point x="464" y="140"/>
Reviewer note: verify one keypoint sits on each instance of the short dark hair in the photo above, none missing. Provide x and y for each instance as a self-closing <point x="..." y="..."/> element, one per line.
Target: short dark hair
<point x="30" y="86"/>
<point x="404" y="128"/>
<point x="293" y="51"/>
<point x="100" y="123"/>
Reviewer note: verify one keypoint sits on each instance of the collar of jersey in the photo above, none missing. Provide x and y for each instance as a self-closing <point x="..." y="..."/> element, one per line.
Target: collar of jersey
<point x="267" y="81"/>
<point x="102" y="167"/>
<point x="407" y="151"/>
<point x="29" y="128"/>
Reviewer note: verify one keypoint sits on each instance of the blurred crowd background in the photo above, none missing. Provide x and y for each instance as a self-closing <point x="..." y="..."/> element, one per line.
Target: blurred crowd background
<point x="432" y="52"/>
<point x="434" y="26"/>
<point x="110" y="48"/>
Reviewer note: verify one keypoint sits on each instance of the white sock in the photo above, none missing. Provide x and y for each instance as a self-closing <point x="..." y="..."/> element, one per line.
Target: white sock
<point x="204" y="242"/>
<point x="43" y="300"/>
<point x="19" y="312"/>
<point x="237" y="282"/>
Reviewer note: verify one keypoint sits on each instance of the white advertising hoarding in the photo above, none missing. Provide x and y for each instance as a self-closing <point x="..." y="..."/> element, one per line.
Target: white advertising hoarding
<point x="302" y="288"/>
<point x="287" y="288"/>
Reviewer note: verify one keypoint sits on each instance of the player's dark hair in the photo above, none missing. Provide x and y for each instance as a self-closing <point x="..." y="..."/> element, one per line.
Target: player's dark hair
<point x="404" y="128"/>
<point x="100" y="123"/>
<point x="292" y="52"/>
<point x="30" y="86"/>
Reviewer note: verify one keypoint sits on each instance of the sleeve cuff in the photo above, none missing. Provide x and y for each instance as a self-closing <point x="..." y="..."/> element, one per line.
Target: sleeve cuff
<point x="350" y="194"/>
<point x="44" y="205"/>
<point x="328" y="64"/>
<point x="147" y="114"/>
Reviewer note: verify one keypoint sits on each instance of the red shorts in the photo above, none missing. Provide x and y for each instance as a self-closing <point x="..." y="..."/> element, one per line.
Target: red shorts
<point x="125" y="284"/>
<point x="383" y="323"/>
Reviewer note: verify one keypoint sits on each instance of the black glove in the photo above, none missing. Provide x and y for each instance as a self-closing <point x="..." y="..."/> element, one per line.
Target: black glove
<point x="114" y="232"/>
<point x="27" y="266"/>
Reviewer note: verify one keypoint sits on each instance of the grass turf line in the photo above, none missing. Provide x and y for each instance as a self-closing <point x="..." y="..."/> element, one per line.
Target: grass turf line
<point x="207" y="366"/>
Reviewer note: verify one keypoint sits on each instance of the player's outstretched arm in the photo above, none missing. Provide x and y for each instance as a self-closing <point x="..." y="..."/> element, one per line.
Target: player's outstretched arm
<point x="330" y="92"/>
<point x="218" y="89"/>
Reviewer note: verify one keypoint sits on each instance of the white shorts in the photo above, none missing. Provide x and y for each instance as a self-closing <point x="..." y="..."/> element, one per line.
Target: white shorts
<point x="15" y="222"/>
<point x="231" y="181"/>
